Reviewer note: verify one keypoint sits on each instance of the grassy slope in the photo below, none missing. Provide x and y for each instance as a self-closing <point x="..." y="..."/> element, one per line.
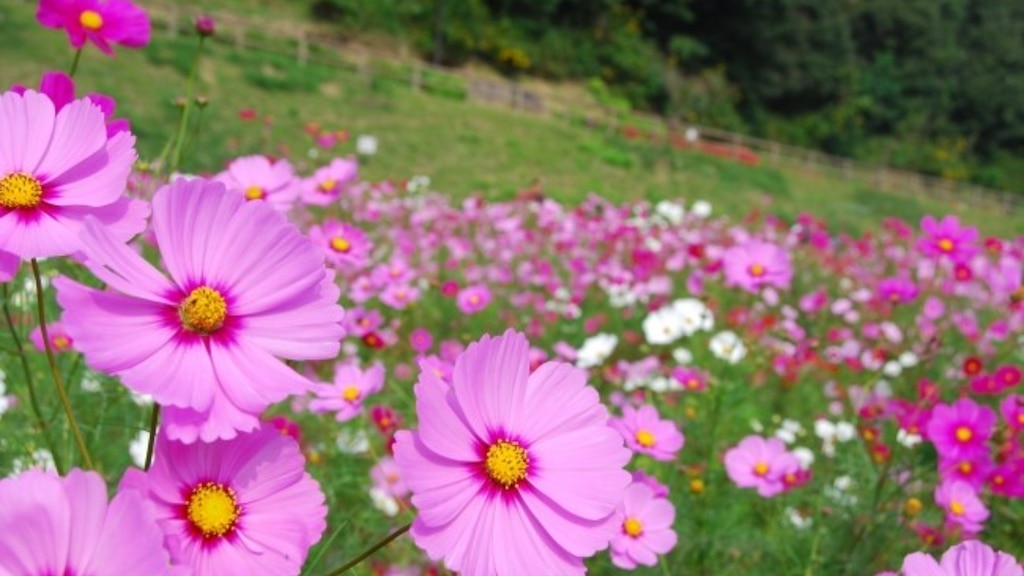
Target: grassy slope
<point x="466" y="148"/>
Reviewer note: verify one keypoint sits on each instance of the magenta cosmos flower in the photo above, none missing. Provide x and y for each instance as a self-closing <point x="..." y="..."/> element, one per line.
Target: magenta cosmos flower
<point x="756" y="264"/>
<point x="54" y="525"/>
<point x="260" y="178"/>
<point x="101" y="22"/>
<point x="645" y="528"/>
<point x="946" y="238"/>
<point x="345" y="246"/>
<point x="350" y="388"/>
<point x="761" y="464"/>
<point x="971" y="558"/>
<point x="241" y="506"/>
<point x="646" y="433"/>
<point x="512" y="472"/>
<point x="246" y="288"/>
<point x="60" y="88"/>
<point x="324" y="187"/>
<point x="57" y="168"/>
<point x="962" y="430"/>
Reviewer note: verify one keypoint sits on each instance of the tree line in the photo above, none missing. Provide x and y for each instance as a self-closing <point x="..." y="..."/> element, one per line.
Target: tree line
<point x="930" y="85"/>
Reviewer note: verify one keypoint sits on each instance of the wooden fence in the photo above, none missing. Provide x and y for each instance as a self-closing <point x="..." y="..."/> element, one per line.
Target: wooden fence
<point x="322" y="45"/>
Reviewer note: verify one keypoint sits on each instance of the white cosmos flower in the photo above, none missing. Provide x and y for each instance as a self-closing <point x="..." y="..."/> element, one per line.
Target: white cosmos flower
<point x="383" y="501"/>
<point x="728" y="346"/>
<point x="701" y="209"/>
<point x="366" y="145"/>
<point x="694" y="315"/>
<point x="137" y="448"/>
<point x="672" y="212"/>
<point x="663" y="326"/>
<point x="596" y="350"/>
<point x="682" y="356"/>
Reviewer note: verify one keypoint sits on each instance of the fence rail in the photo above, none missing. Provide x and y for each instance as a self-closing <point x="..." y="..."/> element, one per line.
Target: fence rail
<point x="322" y="45"/>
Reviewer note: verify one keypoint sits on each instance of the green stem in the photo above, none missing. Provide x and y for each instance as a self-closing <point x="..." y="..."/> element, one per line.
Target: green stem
<point x="370" y="551"/>
<point x="190" y="89"/>
<point x="33" y="400"/>
<point x="74" y="63"/>
<point x="61" y="391"/>
<point x="154" y="419"/>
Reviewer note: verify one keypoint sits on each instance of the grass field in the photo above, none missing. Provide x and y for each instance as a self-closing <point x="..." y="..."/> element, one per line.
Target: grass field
<point x="464" y="147"/>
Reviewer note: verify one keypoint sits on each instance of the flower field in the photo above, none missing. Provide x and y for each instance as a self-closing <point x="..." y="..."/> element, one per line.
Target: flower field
<point x="282" y="367"/>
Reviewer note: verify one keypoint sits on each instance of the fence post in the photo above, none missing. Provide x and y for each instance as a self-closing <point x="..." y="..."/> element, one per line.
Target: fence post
<point x="776" y="152"/>
<point x="848" y="168"/>
<point x="416" y="83"/>
<point x="302" y="47"/>
<point x="172" y="21"/>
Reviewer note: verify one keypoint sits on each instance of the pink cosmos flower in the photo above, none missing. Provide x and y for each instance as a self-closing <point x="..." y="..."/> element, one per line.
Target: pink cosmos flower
<point x="473" y="299"/>
<point x="947" y="239"/>
<point x="241" y="506"/>
<point x="970" y="558"/>
<point x="659" y="489"/>
<point x="324" y="187"/>
<point x="506" y="461"/>
<point x="398" y="296"/>
<point x="645" y="528"/>
<point x="961" y="430"/>
<point x="350" y="388"/>
<point x="102" y="22"/>
<point x="387" y="477"/>
<point x="259" y="178"/>
<point x="54" y="525"/>
<point x="421" y="340"/>
<point x="245" y="288"/>
<point x="762" y="464"/>
<point x="345" y="245"/>
<point x="962" y="505"/>
<point x="646" y="433"/>
<point x="756" y="264"/>
<point x="60" y="340"/>
<point x="57" y="168"/>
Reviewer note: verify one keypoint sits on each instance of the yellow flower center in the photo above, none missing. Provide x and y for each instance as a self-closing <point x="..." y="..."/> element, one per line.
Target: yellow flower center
<point x="350" y="393"/>
<point x="255" y="193"/>
<point x="1020" y="418"/>
<point x="644" y="438"/>
<point x="957" y="508"/>
<point x="328" y="186"/>
<point x="506" y="463"/>
<point x="19" y="191"/>
<point x="204" y="310"/>
<point x="963" y="434"/>
<point x="696" y="486"/>
<point x="912" y="507"/>
<point x="756" y="270"/>
<point x="632" y="527"/>
<point x="693" y="383"/>
<point x="965" y="467"/>
<point x="212" y="509"/>
<point x="474" y="299"/>
<point x="340" y="244"/>
<point x="91" y="20"/>
<point x="61" y="342"/>
<point x="946" y="245"/>
<point x="998" y="480"/>
<point x="761" y="469"/>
